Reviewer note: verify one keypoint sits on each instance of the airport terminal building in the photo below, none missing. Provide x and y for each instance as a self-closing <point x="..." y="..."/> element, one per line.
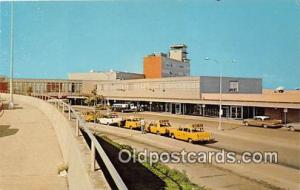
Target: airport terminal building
<point x="166" y="86"/>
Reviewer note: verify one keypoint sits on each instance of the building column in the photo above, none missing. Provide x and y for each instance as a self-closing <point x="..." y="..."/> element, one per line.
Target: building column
<point x="180" y="106"/>
<point x="242" y="112"/>
<point x="285" y="110"/>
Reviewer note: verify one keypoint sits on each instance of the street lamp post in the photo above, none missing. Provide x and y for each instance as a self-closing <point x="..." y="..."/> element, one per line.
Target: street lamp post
<point x="220" y="93"/>
<point x="11" y="102"/>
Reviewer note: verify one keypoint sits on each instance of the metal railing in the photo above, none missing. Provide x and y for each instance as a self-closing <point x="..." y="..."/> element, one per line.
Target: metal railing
<point x="95" y="146"/>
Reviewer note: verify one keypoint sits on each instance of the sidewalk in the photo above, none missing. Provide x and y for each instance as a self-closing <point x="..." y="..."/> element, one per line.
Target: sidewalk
<point x="30" y="153"/>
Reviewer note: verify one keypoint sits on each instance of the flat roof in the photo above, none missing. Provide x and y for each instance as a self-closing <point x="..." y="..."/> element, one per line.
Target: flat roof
<point x="178" y="46"/>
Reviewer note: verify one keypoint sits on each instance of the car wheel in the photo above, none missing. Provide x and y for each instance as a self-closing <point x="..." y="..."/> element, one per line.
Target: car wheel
<point x="190" y="140"/>
<point x="265" y="126"/>
<point x="107" y="123"/>
<point x="172" y="136"/>
<point x="292" y="128"/>
<point x="157" y="132"/>
<point x="246" y="124"/>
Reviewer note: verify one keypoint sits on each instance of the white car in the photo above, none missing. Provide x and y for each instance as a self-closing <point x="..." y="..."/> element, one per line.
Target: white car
<point x="110" y="119"/>
<point x="293" y="126"/>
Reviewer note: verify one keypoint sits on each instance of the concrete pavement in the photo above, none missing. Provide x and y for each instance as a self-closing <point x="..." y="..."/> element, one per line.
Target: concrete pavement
<point x="216" y="176"/>
<point x="29" y="151"/>
<point x="285" y="142"/>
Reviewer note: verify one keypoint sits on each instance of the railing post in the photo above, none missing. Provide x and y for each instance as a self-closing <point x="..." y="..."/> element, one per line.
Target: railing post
<point x="69" y="112"/>
<point x="93" y="156"/>
<point x="77" y="127"/>
<point x="63" y="108"/>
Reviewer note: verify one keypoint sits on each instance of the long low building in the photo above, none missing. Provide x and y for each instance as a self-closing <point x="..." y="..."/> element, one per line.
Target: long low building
<point x="240" y="98"/>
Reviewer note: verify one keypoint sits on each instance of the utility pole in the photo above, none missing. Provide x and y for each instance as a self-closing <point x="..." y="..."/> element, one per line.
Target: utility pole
<point x="220" y="104"/>
<point x="11" y="101"/>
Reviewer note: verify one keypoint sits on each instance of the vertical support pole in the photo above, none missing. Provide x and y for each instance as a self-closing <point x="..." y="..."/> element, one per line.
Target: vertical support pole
<point x="69" y="113"/>
<point x="11" y="91"/>
<point x="63" y="108"/>
<point x="285" y="110"/>
<point x="92" y="156"/>
<point x="77" y="127"/>
<point x="242" y="112"/>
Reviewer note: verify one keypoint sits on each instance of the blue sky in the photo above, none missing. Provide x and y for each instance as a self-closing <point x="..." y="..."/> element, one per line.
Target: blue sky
<point x="55" y="38"/>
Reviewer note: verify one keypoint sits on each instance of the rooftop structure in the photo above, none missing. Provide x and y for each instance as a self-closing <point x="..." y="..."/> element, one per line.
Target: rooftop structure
<point x="178" y="52"/>
<point x="174" y="64"/>
<point x="104" y="76"/>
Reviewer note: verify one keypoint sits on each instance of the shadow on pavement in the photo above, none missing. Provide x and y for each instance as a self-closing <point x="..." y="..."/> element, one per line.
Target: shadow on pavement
<point x="134" y="175"/>
<point x="5" y="131"/>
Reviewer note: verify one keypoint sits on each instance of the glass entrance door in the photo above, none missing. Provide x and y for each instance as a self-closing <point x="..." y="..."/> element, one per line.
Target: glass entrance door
<point x="236" y="112"/>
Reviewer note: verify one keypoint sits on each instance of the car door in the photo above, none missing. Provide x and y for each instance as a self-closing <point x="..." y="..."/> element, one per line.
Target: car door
<point x="178" y="133"/>
<point x="152" y="127"/>
<point x="255" y="122"/>
<point x="185" y="134"/>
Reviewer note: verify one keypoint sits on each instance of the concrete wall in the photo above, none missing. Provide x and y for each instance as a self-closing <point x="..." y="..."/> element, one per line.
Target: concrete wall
<point x="153" y="66"/>
<point x="88" y="86"/>
<point x="246" y="85"/>
<point x="74" y="150"/>
<point x="175" y="88"/>
<point x="174" y="68"/>
<point x="93" y="76"/>
<point x="104" y="76"/>
<point x="128" y="76"/>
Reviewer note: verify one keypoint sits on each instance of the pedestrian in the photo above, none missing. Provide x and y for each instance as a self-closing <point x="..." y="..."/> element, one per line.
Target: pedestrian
<point x="143" y="126"/>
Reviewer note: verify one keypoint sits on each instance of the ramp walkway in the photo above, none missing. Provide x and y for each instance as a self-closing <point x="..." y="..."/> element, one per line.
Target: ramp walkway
<point x="29" y="151"/>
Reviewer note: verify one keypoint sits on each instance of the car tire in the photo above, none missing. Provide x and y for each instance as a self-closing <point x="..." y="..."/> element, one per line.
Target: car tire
<point x="172" y="136"/>
<point x="292" y="128"/>
<point x="246" y="124"/>
<point x="265" y="126"/>
<point x="158" y="133"/>
<point x="190" y="141"/>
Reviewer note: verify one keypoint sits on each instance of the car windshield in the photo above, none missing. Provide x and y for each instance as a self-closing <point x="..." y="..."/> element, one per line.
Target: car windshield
<point x="165" y="125"/>
<point x="200" y="129"/>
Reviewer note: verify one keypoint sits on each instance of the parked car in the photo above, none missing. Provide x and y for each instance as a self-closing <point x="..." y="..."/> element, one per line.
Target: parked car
<point x="293" y="126"/>
<point x="91" y="116"/>
<point x="191" y="133"/>
<point x="127" y="107"/>
<point x="263" y="121"/>
<point x="133" y="123"/>
<point x="110" y="119"/>
<point x="160" y="127"/>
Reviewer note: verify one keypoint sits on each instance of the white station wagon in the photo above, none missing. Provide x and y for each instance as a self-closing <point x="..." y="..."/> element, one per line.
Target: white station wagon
<point x="110" y="119"/>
